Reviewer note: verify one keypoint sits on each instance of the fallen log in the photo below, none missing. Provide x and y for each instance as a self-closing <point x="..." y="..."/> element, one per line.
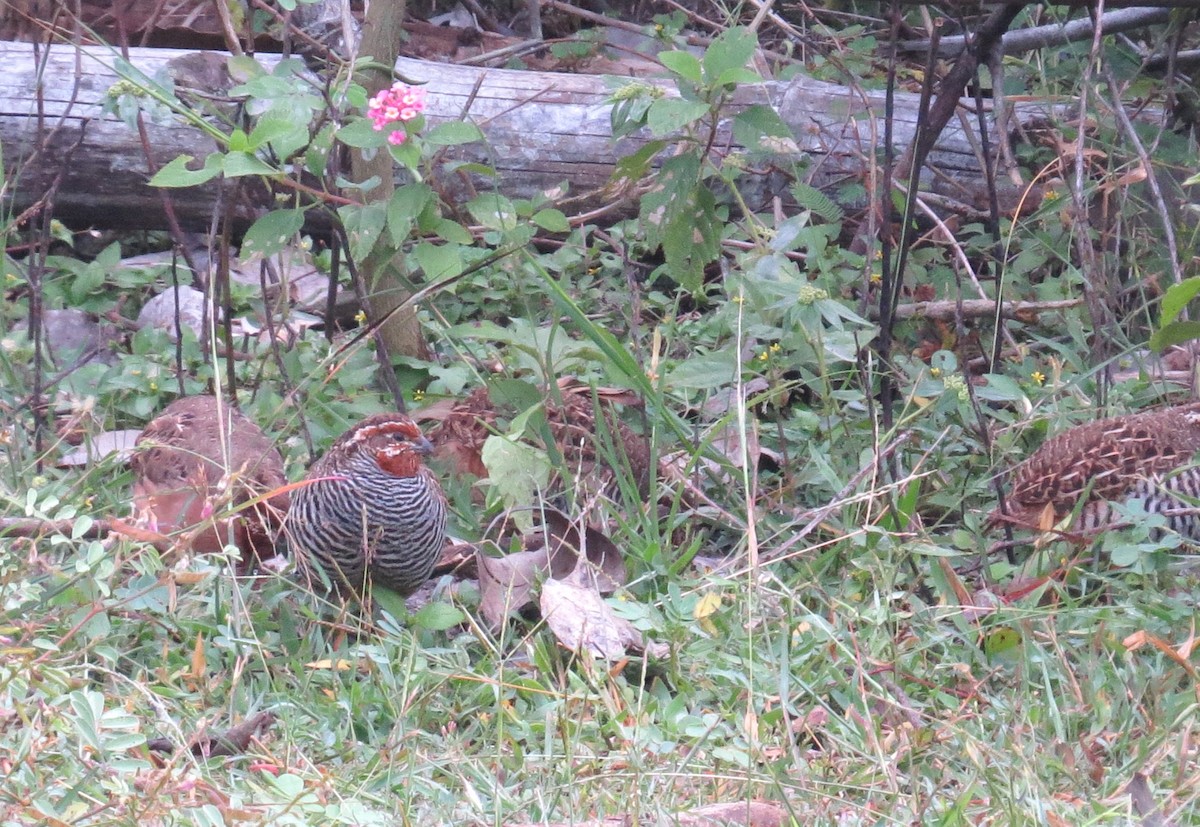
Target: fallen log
<point x="543" y="131"/>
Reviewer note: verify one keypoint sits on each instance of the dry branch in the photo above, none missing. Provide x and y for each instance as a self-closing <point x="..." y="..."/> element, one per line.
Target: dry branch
<point x="948" y="311"/>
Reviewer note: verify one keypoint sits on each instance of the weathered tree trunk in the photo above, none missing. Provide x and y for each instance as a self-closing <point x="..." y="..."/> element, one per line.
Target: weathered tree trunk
<point x="399" y="331"/>
<point x="543" y="130"/>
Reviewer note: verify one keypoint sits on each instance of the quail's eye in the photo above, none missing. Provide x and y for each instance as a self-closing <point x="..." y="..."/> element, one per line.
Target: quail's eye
<point x="399" y="438"/>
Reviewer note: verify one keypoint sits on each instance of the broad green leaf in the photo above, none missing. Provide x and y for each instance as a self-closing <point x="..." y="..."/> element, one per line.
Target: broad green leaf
<point x="438" y="261"/>
<point x="635" y="165"/>
<point x="517" y="472"/>
<point x="438" y="616"/>
<point x="1175" y="333"/>
<point x="364" y="224"/>
<point x="272" y="127"/>
<point x="176" y="173"/>
<point x="471" y="168"/>
<point x="669" y="115"/>
<point x="493" y="211"/>
<point x="1177" y="297"/>
<point x="452" y="231"/>
<point x="243" y="68"/>
<point x="692" y="239"/>
<point x="737" y="77"/>
<point x="551" y="220"/>
<point x="271" y="233"/>
<point x="238" y="142"/>
<point x="361" y="134"/>
<point x="703" y="372"/>
<point x="754" y="123"/>
<point x="405" y="208"/>
<point x="684" y="64"/>
<point x="453" y="133"/>
<point x="407" y="154"/>
<point x="731" y="49"/>
<point x="1000" y="388"/>
<point x="238" y="164"/>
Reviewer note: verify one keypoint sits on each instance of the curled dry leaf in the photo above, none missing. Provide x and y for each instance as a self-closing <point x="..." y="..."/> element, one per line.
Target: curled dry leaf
<point x="506" y="583"/>
<point x="605" y="565"/>
<point x="559" y="550"/>
<point x="581" y="620"/>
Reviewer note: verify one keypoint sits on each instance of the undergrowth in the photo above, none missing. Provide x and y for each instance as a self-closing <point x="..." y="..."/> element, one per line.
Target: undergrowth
<point x="838" y="638"/>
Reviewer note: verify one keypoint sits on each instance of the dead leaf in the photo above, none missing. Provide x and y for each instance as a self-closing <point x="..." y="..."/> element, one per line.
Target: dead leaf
<point x="605" y="563"/>
<point x="580" y="619"/>
<point x="506" y="583"/>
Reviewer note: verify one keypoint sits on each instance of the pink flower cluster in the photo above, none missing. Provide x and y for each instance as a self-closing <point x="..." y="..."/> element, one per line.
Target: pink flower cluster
<point x="399" y="103"/>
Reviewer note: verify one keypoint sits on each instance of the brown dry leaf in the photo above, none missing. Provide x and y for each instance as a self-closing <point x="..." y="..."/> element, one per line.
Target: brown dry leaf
<point x="506" y="583"/>
<point x="605" y="563"/>
<point x="580" y="619"/>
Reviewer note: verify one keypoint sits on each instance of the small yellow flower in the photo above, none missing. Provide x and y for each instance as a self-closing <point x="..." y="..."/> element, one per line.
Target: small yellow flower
<point x="935" y="372"/>
<point x="738" y="299"/>
<point x="764" y="356"/>
<point x="775" y="348"/>
<point x="877" y="278"/>
<point x="1038" y="377"/>
<point x="153" y="386"/>
<point x="418" y="395"/>
<point x="361" y="317"/>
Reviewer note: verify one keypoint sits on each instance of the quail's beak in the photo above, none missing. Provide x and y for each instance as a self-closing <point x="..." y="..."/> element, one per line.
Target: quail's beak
<point x="424" y="446"/>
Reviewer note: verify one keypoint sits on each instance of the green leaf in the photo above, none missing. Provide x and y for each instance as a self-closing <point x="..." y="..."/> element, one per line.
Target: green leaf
<point x="1003" y="640"/>
<point x="552" y="221"/>
<point x="517" y="472"/>
<point x="684" y="64"/>
<point x="453" y="133"/>
<point x="493" y="211"/>
<point x="704" y="372"/>
<point x="177" y="174"/>
<point x="271" y="233"/>
<point x="361" y="134"/>
<point x="1175" y="333"/>
<point x="736" y="77"/>
<point x="1177" y="297"/>
<point x="273" y="127"/>
<point x="239" y="164"/>
<point x="693" y="239"/>
<point x="438" y="617"/>
<point x="405" y="208"/>
<point x="238" y="141"/>
<point x="438" y="261"/>
<point x="364" y="224"/>
<point x="452" y="231"/>
<point x="755" y="123"/>
<point x="731" y="49"/>
<point x="634" y="166"/>
<point x="669" y="115"/>
<point x="1000" y="388"/>
<point x="811" y="198"/>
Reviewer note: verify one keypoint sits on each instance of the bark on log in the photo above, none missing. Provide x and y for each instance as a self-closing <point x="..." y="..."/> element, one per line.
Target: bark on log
<point x="542" y="130"/>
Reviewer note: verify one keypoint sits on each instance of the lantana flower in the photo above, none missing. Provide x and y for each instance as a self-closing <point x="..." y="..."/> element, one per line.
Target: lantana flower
<point x="401" y="102"/>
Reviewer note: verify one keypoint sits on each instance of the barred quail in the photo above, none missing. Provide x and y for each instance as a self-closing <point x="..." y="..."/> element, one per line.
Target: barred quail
<point x="1146" y="456"/>
<point x="369" y="510"/>
<point x="198" y="458"/>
